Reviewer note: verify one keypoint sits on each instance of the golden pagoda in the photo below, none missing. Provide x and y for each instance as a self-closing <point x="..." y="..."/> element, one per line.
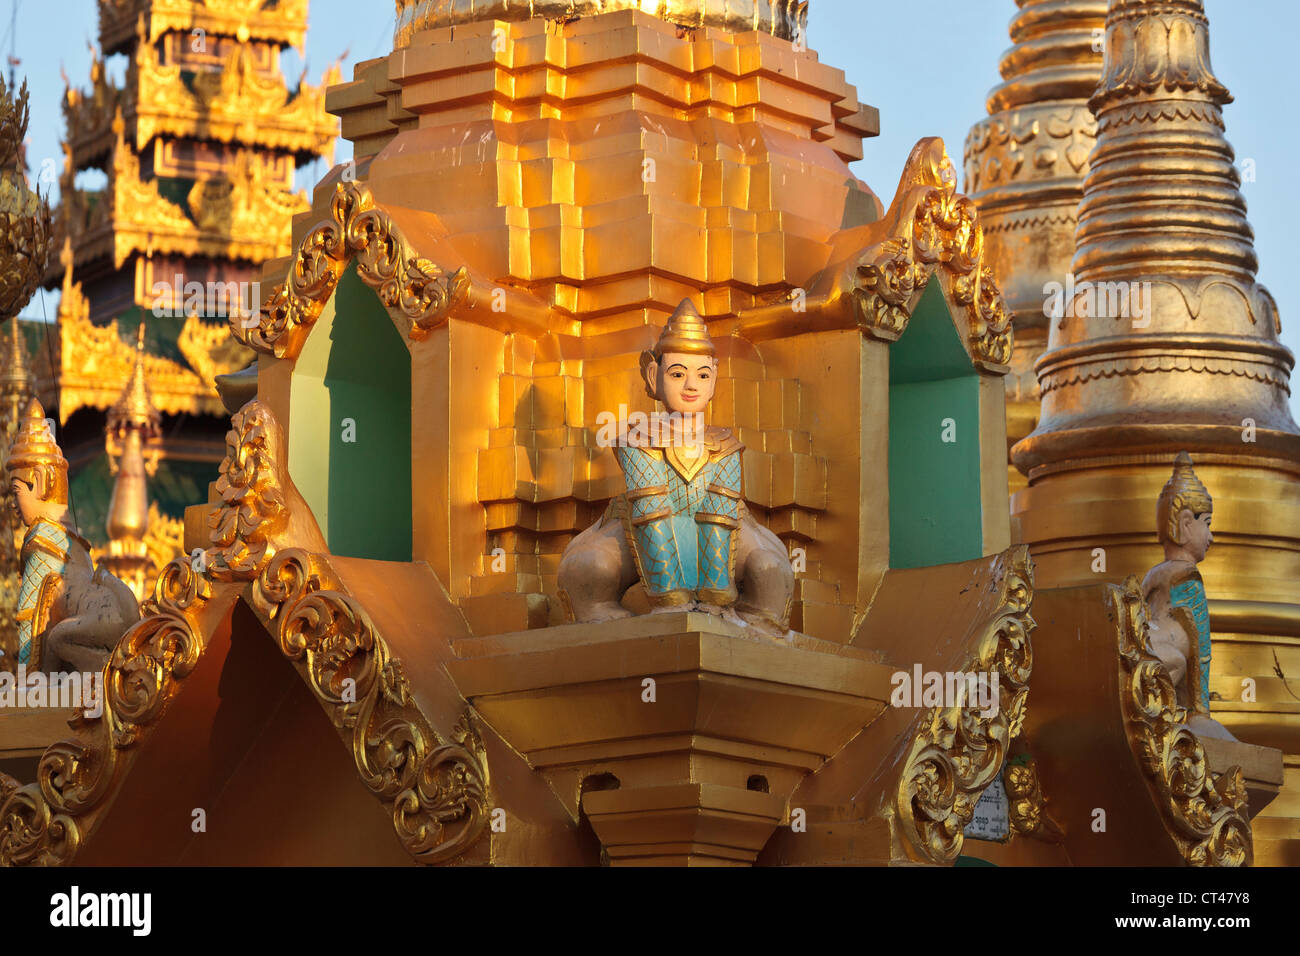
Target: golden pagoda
<point x="199" y="147"/>
<point x="1167" y="344"/>
<point x="1025" y="166"/>
<point x="436" y="564"/>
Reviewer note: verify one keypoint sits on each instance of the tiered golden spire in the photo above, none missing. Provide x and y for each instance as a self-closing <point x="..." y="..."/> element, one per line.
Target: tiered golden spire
<point x="132" y="441"/>
<point x="1188" y="336"/>
<point x="1025" y="165"/>
<point x="1168" y="343"/>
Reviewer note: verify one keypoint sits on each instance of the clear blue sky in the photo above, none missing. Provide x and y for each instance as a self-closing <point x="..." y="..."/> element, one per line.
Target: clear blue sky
<point x="927" y="66"/>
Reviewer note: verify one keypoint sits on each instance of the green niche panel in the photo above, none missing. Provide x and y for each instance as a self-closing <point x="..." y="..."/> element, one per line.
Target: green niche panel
<point x="935" y="514"/>
<point x="350" y="426"/>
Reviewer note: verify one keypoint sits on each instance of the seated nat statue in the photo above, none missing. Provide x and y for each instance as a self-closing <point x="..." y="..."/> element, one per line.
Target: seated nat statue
<point x="70" y="616"/>
<point x="682" y="528"/>
<point x="1175" y="594"/>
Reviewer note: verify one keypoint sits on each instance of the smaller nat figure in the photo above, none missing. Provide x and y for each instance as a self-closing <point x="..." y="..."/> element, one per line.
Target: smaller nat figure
<point x="1175" y="594"/>
<point x="70" y="616"/>
<point x="682" y="527"/>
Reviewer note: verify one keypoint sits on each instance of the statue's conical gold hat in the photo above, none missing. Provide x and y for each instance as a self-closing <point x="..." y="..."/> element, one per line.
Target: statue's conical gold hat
<point x="1182" y="490"/>
<point x="685" y="332"/>
<point x="33" y="445"/>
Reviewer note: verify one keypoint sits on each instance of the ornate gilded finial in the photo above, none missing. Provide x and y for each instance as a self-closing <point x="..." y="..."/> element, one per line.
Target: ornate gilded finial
<point x="25" y="221"/>
<point x="134" y="408"/>
<point x="14" y="115"/>
<point x="1182" y="490"/>
<point x="35" y="457"/>
<point x="132" y="441"/>
<point x="685" y="332"/>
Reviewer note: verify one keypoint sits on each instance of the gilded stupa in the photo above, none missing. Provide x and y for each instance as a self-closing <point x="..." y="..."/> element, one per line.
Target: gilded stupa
<point x="1025" y="166"/>
<point x="1170" y="345"/>
<point x="420" y="462"/>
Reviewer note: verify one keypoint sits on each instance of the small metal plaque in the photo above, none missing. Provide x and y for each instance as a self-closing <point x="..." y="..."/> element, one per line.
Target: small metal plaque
<point x="990" y="821"/>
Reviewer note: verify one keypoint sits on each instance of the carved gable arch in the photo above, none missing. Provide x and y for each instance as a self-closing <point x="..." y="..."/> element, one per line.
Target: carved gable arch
<point x="418" y="294"/>
<point x="931" y="230"/>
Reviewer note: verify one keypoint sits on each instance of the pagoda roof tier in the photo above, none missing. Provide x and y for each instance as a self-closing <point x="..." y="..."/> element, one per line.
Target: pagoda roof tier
<point x="182" y="358"/>
<point x="279" y="21"/>
<point x="236" y="105"/>
<point x="244" y="214"/>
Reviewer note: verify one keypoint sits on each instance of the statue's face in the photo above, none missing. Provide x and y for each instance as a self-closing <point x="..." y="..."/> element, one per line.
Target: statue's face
<point x="684" y="383"/>
<point x="1195" y="533"/>
<point x="25" y="500"/>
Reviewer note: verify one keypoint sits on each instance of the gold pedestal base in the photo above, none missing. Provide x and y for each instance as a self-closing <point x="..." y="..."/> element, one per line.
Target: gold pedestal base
<point x="679" y="736"/>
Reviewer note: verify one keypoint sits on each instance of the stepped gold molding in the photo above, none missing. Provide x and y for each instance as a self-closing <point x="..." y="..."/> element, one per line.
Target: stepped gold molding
<point x="932" y="231"/>
<point x="1204" y="813"/>
<point x="958" y="752"/>
<point x="420" y="291"/>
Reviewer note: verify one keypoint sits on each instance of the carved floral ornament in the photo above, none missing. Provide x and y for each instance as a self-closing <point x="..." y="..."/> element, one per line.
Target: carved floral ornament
<point x="416" y="288"/>
<point x="934" y="232"/>
<point x="1204" y="814"/>
<point x="436" y="786"/>
<point x="958" y="752"/>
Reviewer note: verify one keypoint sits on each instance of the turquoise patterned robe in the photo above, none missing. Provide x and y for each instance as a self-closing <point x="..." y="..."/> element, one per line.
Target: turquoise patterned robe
<point x="681" y="516"/>
<point x="45" y="558"/>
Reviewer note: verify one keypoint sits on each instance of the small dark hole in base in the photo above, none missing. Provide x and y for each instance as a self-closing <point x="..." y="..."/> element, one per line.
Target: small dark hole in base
<point x="757" y="782"/>
<point x="599" y="781"/>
